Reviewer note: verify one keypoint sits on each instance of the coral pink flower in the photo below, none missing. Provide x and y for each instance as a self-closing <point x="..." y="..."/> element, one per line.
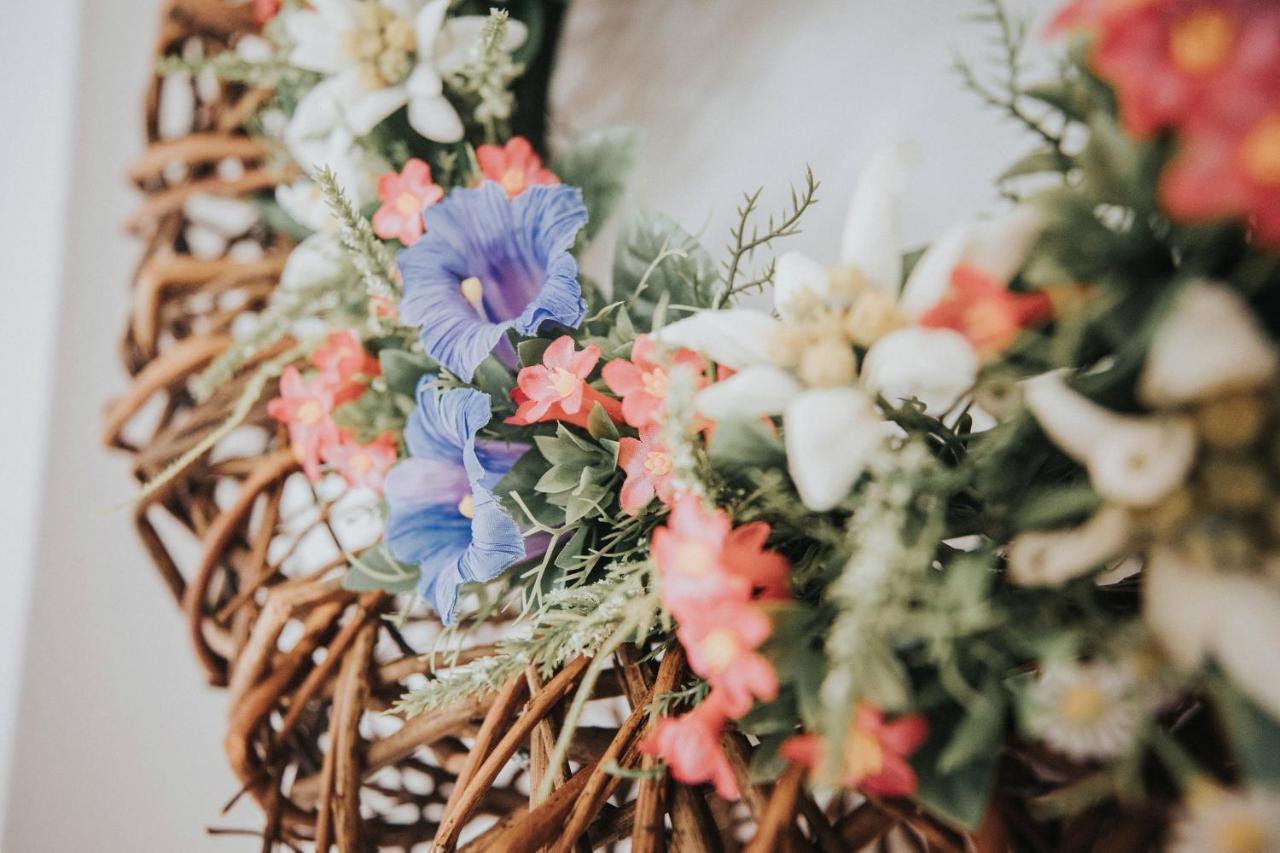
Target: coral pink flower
<point x="875" y="752"/>
<point x="641" y="382"/>
<point x="690" y="746"/>
<point x="265" y="10"/>
<point x="362" y="465"/>
<point x="1170" y="59"/>
<point x="1228" y="162"/>
<point x="404" y="195"/>
<point x="515" y="166"/>
<point x="703" y="562"/>
<point x="985" y="311"/>
<point x="382" y="308"/>
<point x="307" y="409"/>
<point x="344" y="365"/>
<point x="557" y="388"/>
<point x="721" y="643"/>
<point x="647" y="462"/>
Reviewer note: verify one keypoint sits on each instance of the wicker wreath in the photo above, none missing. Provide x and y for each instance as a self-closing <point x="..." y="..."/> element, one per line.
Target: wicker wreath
<point x="309" y="667"/>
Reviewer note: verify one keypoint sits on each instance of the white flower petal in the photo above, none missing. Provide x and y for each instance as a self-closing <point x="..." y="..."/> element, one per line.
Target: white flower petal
<point x="936" y="366"/>
<point x="797" y="278"/>
<point x="1142" y="460"/>
<point x="435" y="118"/>
<point x="338" y="14"/>
<point x="999" y="246"/>
<point x="872" y="241"/>
<point x="1053" y="557"/>
<point x="830" y="434"/>
<point x="424" y="81"/>
<point x="931" y="275"/>
<point x="318" y="258"/>
<point x="317" y="44"/>
<point x="459" y="34"/>
<point x="1074" y="423"/>
<point x="1209" y="344"/>
<point x="751" y="393"/>
<point x="365" y="111"/>
<point x="1179" y="602"/>
<point x="1248" y="636"/>
<point x="734" y="337"/>
<point x="427" y="25"/>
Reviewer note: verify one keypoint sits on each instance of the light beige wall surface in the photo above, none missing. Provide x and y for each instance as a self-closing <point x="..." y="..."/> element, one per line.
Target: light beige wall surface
<point x="118" y="741"/>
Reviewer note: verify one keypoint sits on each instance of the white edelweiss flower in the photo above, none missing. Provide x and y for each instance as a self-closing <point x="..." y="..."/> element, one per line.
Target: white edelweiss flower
<point x="1219" y="821"/>
<point x="1085" y="711"/>
<point x="381" y="55"/>
<point x="1197" y="612"/>
<point x="1053" y="557"/>
<point x="830" y="435"/>
<point x="936" y="366"/>
<point x="1132" y="460"/>
<point x="356" y="170"/>
<point x="1210" y="344"/>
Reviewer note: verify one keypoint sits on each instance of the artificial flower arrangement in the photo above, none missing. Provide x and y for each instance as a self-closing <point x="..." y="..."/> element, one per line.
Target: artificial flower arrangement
<point x="990" y="527"/>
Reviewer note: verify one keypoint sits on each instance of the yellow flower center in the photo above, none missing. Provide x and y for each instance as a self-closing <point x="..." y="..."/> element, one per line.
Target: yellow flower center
<point x="310" y="413"/>
<point x="1201" y="42"/>
<point x="562" y="381"/>
<point x="382" y="43"/>
<point x="694" y="558"/>
<point x="1260" y="151"/>
<point x="407" y="204"/>
<point x="654" y="382"/>
<point x="863" y="755"/>
<point x="513" y="181"/>
<point x="467" y="507"/>
<point x="360" y="463"/>
<point x="719" y="649"/>
<point x="1082" y="704"/>
<point x="473" y="292"/>
<point x="658" y="464"/>
<point x="1242" y="835"/>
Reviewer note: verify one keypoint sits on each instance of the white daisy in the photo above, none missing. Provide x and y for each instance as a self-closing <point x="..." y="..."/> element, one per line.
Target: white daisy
<point x="1220" y="821"/>
<point x="1084" y="710"/>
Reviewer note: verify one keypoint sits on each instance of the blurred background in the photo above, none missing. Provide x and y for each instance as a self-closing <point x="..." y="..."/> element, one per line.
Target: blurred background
<point x="109" y="739"/>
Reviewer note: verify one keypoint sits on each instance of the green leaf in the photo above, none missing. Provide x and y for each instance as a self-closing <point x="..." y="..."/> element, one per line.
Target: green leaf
<point x="1056" y="507"/>
<point x="1068" y="97"/>
<point x="493" y="378"/>
<point x="521" y="479"/>
<point x="740" y="444"/>
<point x="559" y="478"/>
<point x="1037" y="162"/>
<point x="656" y="258"/>
<point x="598" y="163"/>
<point x="600" y="425"/>
<point x="530" y="350"/>
<point x="402" y="370"/>
<point x="960" y="795"/>
<point x="767" y="763"/>
<point x="979" y="731"/>
<point x="375" y="569"/>
<point x="1255" y="735"/>
<point x="1112" y="164"/>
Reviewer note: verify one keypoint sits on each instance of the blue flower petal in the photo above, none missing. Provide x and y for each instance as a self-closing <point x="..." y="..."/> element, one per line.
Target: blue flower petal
<point x="445" y="422"/>
<point x="496" y="542"/>
<point x="520" y="252"/>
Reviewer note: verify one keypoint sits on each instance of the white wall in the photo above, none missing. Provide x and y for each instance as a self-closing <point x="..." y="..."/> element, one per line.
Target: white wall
<point x="118" y="741"/>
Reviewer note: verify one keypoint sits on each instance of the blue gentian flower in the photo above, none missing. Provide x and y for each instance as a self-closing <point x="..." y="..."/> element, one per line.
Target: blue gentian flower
<point x="487" y="264"/>
<point x="442" y="514"/>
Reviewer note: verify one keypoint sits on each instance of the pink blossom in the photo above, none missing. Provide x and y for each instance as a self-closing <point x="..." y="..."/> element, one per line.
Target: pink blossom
<point x="690" y="746"/>
<point x="647" y="463"/>
<point x="875" y="752"/>
<point x="721" y="643"/>
<point x="363" y="465"/>
<point x="403" y="196"/>
<point x="344" y="365"/>
<point x="515" y="166"/>
<point x="641" y="382"/>
<point x="306" y="407"/>
<point x="557" y="388"/>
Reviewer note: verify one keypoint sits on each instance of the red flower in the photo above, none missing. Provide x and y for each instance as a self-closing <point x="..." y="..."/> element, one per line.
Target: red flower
<point x="404" y="195"/>
<point x="690" y="746"/>
<point x="362" y="465"/>
<point x="875" y="752"/>
<point x="344" y="365"/>
<point x="557" y="389"/>
<point x="1170" y="59"/>
<point x="985" y="311"/>
<point x="1228" y="163"/>
<point x="265" y="10"/>
<point x="721" y="643"/>
<point x="642" y="381"/>
<point x="307" y="409"/>
<point x="515" y="166"/>
<point x="647" y="462"/>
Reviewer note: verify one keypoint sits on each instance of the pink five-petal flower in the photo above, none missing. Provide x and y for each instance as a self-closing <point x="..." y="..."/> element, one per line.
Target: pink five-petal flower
<point x="344" y="365"/>
<point x="307" y="409"/>
<point x="641" y="382"/>
<point x="557" y="388"/>
<point x="721" y="643"/>
<point x="403" y="196"/>
<point x="688" y="551"/>
<point x="515" y="166"/>
<point x="647" y="463"/>
<point x="986" y="312"/>
<point x="690" y="745"/>
<point x="363" y="465"/>
<point x="745" y="554"/>
<point x="875" y="752"/>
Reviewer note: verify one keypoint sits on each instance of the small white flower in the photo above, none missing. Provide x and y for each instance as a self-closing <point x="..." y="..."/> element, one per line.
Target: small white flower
<point x="1219" y="821"/>
<point x="355" y="168"/>
<point x="1085" y="711"/>
<point x="316" y="259"/>
<point x="1210" y="344"/>
<point x="936" y="366"/>
<point x="1134" y="461"/>
<point x="1053" y="557"/>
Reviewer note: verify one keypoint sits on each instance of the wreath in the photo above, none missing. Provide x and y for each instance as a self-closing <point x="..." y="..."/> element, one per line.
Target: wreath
<point x="973" y="545"/>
